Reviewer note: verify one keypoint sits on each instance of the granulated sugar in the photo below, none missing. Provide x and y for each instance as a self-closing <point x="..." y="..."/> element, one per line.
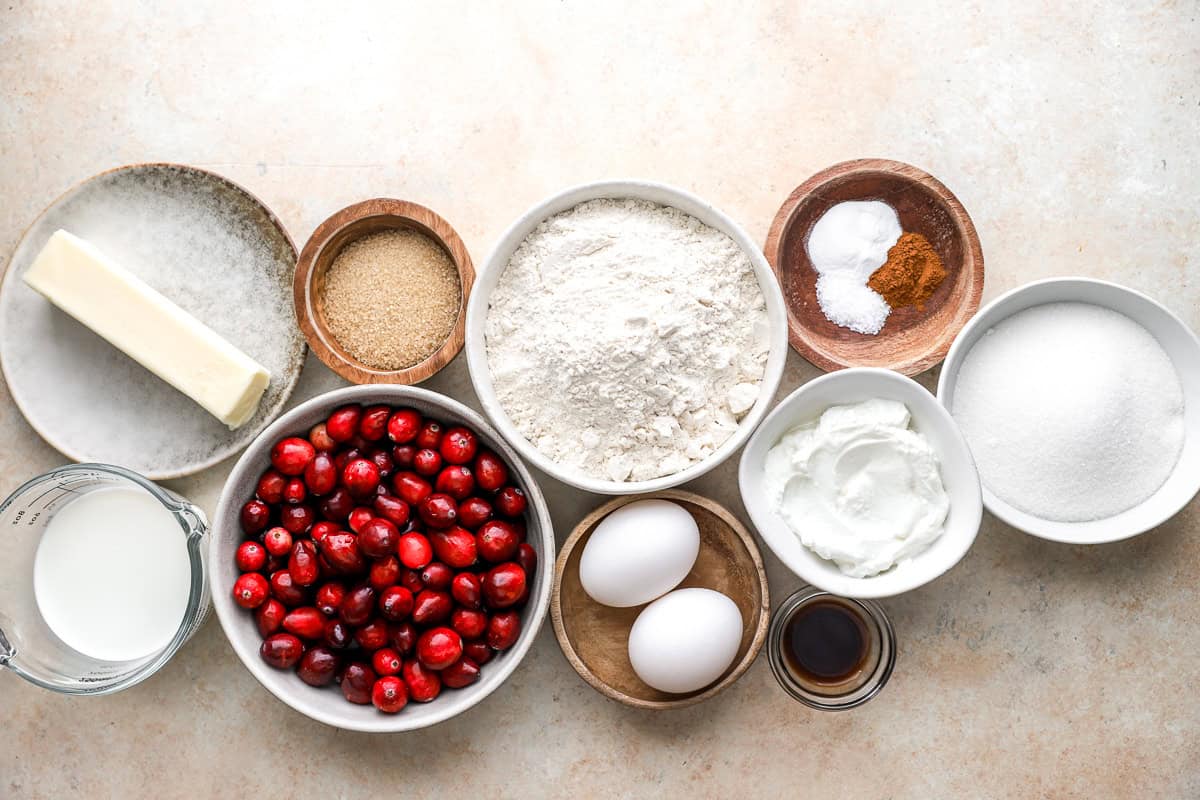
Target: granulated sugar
<point x="1073" y="412"/>
<point x="391" y="298"/>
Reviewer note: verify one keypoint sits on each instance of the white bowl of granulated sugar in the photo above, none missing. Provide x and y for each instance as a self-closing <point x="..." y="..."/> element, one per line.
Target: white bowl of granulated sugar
<point x="626" y="336"/>
<point x="1080" y="401"/>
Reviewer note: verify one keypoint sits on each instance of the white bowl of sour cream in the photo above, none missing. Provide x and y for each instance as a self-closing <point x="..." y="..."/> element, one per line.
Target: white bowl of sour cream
<point x="863" y="464"/>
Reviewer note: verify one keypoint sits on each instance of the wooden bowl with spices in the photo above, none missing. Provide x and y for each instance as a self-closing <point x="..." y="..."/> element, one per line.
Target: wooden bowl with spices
<point x="901" y="270"/>
<point x="381" y="292"/>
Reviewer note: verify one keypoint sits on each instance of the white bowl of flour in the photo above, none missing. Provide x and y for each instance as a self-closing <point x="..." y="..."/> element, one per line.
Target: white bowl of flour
<point x="625" y="336"/>
<point x="1080" y="400"/>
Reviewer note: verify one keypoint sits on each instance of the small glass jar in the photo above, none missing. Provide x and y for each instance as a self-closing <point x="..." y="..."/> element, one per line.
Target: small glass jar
<point x="859" y="685"/>
<point x="27" y="645"/>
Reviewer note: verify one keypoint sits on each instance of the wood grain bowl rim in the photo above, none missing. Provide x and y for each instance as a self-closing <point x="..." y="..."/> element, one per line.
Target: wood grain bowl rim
<point x="764" y="597"/>
<point x="972" y="266"/>
<point x="320" y="338"/>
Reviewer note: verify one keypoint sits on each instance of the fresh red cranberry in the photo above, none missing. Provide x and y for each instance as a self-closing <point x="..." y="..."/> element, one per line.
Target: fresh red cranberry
<point x="322" y="529"/>
<point x="438" y="511"/>
<point x="404" y="638"/>
<point x="343" y="457"/>
<point x="395" y="603"/>
<point x="403" y="456"/>
<point x="518" y="526"/>
<point x="269" y="617"/>
<point x="338" y="634"/>
<point x="455" y="546"/>
<point x="378" y="538"/>
<point x="281" y="650"/>
<point x="467" y="590"/>
<point x="456" y="481"/>
<point x="251" y="590"/>
<point x="384" y="573"/>
<point x="359" y="518"/>
<point x="423" y="684"/>
<point x="373" y="635"/>
<point x="320" y="438"/>
<point x="297" y="519"/>
<point x="320" y="476"/>
<point x="342" y="552"/>
<point x="342" y="425"/>
<point x="251" y="556"/>
<point x="270" y="487"/>
<point x="291" y="455"/>
<point x="305" y="622"/>
<point x="337" y="505"/>
<point x="357" y="682"/>
<point x="285" y="589"/>
<point x="403" y="425"/>
<point x="411" y="487"/>
<point x="294" y="492"/>
<point x="427" y="462"/>
<point x="429" y="435"/>
<point x="458" y="446"/>
<point x="497" y="541"/>
<point x="431" y="606"/>
<point x="274" y="564"/>
<point x="303" y="563"/>
<point x="361" y="477"/>
<point x="438" y="648"/>
<point x="411" y="579"/>
<point x="490" y="472"/>
<point x="510" y="501"/>
<point x="473" y="512"/>
<point x="358" y="605"/>
<point x="393" y="509"/>
<point x="383" y="461"/>
<point x="503" y="585"/>
<point x="526" y="559"/>
<point x="461" y="673"/>
<point x="374" y="423"/>
<point x="415" y="550"/>
<point x="277" y="541"/>
<point x="387" y="661"/>
<point x="503" y="630"/>
<point x="255" y="517"/>
<point x="469" y="624"/>
<point x="478" y="651"/>
<point x="437" y="576"/>
<point x="318" y="666"/>
<point x="389" y="694"/>
<point x="330" y="597"/>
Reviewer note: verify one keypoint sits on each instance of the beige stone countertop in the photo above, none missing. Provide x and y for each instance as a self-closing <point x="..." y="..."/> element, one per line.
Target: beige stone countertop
<point x="1071" y="133"/>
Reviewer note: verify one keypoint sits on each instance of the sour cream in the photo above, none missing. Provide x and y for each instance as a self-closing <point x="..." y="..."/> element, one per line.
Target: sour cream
<point x="858" y="486"/>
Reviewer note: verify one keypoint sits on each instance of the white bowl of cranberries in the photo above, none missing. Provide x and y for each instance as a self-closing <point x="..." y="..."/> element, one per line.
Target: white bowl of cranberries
<point x="381" y="560"/>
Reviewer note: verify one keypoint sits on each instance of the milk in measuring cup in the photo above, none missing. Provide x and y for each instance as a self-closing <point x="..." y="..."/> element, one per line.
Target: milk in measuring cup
<point x="111" y="575"/>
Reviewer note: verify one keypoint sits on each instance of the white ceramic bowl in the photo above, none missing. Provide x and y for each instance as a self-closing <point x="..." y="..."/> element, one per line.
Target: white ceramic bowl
<point x="327" y="705"/>
<point x="485" y="283"/>
<point x="1180" y="344"/>
<point x="929" y="418"/>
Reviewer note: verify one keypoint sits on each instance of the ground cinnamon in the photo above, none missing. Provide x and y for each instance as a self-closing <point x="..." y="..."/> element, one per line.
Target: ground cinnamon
<point x="911" y="273"/>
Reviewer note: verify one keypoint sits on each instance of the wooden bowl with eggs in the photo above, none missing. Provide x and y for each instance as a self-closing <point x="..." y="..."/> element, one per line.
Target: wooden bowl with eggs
<point x="595" y="637"/>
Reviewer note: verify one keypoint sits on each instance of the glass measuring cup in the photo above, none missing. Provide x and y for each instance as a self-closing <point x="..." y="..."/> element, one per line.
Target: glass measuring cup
<point x="27" y="645"/>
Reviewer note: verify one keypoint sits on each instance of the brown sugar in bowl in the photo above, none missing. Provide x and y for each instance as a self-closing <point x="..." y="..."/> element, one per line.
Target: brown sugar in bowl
<point x="328" y="240"/>
<point x="595" y="637"/>
<point x="911" y="341"/>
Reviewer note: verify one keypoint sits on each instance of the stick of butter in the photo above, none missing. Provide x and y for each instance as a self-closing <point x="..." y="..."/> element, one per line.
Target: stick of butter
<point x="75" y="276"/>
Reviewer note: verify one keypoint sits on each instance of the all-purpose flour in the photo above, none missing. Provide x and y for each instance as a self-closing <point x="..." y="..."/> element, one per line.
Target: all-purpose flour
<point x="625" y="339"/>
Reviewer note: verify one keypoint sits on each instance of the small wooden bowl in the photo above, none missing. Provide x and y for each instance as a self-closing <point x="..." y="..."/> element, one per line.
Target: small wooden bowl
<point x="595" y="637"/>
<point x="911" y="341"/>
<point x="354" y="222"/>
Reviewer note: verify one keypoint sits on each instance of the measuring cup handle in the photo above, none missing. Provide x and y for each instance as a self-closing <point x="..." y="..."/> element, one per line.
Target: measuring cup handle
<point x="6" y="649"/>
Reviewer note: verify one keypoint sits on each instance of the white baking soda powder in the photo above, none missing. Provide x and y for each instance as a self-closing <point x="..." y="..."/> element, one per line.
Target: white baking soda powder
<point x="1073" y="411"/>
<point x="112" y="575"/>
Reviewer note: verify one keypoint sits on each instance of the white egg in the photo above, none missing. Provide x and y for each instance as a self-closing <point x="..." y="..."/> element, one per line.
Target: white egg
<point x="685" y="640"/>
<point x="639" y="552"/>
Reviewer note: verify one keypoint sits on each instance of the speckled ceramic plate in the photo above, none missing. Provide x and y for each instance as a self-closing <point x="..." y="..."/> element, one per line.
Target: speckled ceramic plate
<point x="203" y="242"/>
